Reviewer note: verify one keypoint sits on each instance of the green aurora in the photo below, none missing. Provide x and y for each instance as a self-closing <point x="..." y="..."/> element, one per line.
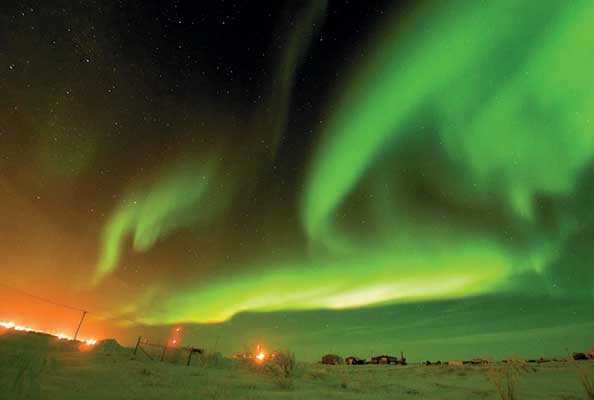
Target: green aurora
<point x="319" y="175"/>
<point x="487" y="106"/>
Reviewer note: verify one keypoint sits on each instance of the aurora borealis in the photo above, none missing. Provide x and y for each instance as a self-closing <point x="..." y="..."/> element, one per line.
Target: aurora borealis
<point x="182" y="163"/>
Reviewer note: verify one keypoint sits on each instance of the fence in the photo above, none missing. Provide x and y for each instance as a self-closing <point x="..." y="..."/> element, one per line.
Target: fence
<point x="66" y="321"/>
<point x="163" y="352"/>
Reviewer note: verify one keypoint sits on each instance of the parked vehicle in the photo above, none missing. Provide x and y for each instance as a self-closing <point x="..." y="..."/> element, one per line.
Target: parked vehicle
<point x="352" y="360"/>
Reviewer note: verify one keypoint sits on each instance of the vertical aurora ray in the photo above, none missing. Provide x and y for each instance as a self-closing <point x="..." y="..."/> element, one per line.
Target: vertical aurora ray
<point x="507" y="82"/>
<point x="309" y="19"/>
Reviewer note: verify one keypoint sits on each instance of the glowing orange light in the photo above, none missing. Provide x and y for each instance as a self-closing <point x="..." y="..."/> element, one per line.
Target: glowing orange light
<point x="59" y="335"/>
<point x="175" y="337"/>
<point x="260" y="354"/>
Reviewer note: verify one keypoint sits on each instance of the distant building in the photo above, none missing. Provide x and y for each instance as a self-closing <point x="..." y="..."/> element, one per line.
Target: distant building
<point x="386" y="359"/>
<point x="331" y="359"/>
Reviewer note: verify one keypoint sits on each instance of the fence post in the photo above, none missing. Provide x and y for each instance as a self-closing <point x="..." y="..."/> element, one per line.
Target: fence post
<point x="190" y="355"/>
<point x="164" y="350"/>
<point x="137" y="344"/>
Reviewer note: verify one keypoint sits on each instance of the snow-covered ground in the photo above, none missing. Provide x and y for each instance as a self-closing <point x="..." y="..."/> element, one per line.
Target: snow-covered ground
<point x="35" y="366"/>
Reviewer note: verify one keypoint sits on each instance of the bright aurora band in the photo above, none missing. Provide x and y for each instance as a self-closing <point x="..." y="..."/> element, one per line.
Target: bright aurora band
<point x="239" y="168"/>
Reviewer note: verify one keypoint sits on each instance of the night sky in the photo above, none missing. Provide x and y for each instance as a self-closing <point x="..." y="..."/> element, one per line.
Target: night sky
<point x="326" y="175"/>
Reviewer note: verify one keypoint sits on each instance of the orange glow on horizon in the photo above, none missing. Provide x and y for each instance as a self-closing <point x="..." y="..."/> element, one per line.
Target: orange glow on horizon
<point x="10" y="325"/>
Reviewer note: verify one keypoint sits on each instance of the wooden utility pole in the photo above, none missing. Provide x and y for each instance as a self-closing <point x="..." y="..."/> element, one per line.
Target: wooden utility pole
<point x="137" y="344"/>
<point x="79" y="325"/>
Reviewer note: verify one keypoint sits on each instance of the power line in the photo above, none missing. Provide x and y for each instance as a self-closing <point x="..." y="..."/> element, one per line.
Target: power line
<point x="41" y="298"/>
<point x="103" y="315"/>
<point x="84" y="312"/>
<point x="46" y="300"/>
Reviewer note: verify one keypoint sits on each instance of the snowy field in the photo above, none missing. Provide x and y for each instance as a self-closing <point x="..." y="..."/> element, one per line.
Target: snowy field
<point x="38" y="367"/>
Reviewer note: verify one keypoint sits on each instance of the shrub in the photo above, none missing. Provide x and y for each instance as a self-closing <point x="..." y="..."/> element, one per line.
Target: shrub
<point x="284" y="363"/>
<point x="283" y="369"/>
<point x="506" y="378"/>
<point x="586" y="383"/>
